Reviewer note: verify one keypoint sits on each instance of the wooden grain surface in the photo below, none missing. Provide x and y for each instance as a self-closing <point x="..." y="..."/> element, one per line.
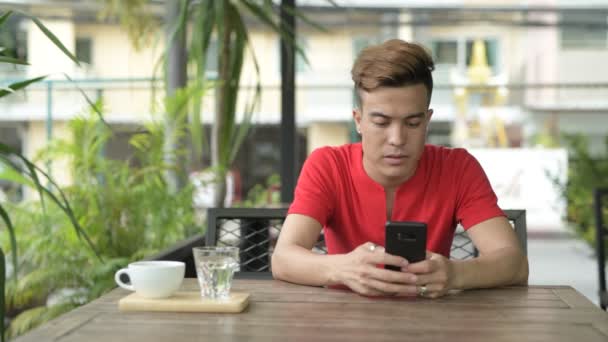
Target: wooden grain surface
<point x="280" y="311"/>
<point x="185" y="301"/>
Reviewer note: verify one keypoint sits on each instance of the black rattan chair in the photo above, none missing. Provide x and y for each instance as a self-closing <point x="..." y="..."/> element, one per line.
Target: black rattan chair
<point x="255" y="231"/>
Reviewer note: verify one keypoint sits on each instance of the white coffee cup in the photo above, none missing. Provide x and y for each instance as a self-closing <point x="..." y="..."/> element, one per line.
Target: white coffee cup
<point x="153" y="279"/>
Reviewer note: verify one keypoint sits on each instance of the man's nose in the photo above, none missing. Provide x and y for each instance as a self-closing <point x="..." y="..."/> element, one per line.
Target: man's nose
<point x="397" y="135"/>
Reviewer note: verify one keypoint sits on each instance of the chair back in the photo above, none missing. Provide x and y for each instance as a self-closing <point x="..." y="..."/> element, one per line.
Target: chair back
<point x="463" y="248"/>
<point x="256" y="230"/>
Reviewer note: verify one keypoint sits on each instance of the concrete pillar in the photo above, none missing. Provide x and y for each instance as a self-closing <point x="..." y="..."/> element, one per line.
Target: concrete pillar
<point x="326" y="134"/>
<point x="406" y="32"/>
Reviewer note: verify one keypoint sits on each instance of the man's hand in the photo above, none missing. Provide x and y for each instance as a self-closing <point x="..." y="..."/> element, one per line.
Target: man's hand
<point x="360" y="272"/>
<point x="434" y="276"/>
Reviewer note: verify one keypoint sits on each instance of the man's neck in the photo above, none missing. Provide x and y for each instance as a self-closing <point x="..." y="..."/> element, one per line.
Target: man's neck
<point x="389" y="184"/>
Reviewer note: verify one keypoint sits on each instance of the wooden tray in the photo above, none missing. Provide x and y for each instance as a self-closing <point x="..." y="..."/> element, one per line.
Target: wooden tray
<point x="190" y="301"/>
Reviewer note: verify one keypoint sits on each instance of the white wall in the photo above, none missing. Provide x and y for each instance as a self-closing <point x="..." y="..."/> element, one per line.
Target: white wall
<point x="113" y="54"/>
<point x="44" y="57"/>
<point x="34" y="140"/>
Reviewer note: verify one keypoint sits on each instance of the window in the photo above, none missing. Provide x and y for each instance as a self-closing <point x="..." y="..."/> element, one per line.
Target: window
<point x="578" y="31"/>
<point x="445" y="52"/>
<point x="84" y="49"/>
<point x="458" y="52"/>
<point x="491" y="52"/>
<point x="211" y="61"/>
<point x="13" y="40"/>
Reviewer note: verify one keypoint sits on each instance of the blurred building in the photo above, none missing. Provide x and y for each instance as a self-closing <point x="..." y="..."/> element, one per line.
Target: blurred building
<point x="545" y="62"/>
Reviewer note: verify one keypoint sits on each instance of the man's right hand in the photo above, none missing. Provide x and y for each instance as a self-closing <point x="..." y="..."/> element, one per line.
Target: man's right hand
<point x="360" y="271"/>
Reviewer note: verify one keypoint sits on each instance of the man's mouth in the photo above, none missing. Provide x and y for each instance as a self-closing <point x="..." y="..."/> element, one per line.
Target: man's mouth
<point x="395" y="159"/>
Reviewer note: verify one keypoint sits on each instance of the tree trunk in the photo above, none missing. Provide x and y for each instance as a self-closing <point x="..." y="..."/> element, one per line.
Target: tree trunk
<point x="176" y="79"/>
<point x="218" y="150"/>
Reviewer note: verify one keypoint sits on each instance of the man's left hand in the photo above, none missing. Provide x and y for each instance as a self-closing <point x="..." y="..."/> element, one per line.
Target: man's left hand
<point x="434" y="275"/>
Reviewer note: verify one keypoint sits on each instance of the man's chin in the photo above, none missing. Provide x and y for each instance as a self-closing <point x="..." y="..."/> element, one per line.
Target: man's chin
<point x="397" y="171"/>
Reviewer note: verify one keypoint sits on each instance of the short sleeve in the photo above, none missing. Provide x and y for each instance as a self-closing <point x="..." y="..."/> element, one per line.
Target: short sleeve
<point x="315" y="192"/>
<point x="476" y="201"/>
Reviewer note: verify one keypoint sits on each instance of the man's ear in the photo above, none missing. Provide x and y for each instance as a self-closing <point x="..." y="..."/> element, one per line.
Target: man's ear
<point x="357" y="117"/>
<point x="428" y="120"/>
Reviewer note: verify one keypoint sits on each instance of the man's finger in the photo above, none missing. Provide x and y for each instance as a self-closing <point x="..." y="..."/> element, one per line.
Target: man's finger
<point x="429" y="278"/>
<point x="390" y="288"/>
<point x="393" y="260"/>
<point x="422" y="267"/>
<point x="392" y="276"/>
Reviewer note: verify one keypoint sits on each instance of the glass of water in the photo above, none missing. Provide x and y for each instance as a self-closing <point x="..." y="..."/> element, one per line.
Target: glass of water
<point x="215" y="267"/>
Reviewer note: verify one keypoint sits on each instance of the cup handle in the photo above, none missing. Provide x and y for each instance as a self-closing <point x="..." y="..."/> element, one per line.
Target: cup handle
<point x="120" y="282"/>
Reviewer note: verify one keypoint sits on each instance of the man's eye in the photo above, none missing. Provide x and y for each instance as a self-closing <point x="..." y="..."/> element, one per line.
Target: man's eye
<point x="413" y="124"/>
<point x="381" y="123"/>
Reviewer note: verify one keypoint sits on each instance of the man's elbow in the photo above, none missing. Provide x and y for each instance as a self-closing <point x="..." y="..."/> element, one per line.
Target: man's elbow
<point x="278" y="271"/>
<point x="523" y="271"/>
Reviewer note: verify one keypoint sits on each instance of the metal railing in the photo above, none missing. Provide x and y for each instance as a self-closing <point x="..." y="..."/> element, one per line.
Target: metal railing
<point x="133" y="100"/>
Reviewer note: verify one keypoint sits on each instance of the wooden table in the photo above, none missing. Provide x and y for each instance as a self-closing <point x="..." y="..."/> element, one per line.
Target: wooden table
<point x="280" y="311"/>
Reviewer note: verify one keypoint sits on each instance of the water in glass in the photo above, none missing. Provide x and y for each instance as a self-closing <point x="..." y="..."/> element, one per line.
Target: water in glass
<point x="215" y="267"/>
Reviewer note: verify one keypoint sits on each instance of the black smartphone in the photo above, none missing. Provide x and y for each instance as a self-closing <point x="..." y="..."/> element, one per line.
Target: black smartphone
<point x="406" y="239"/>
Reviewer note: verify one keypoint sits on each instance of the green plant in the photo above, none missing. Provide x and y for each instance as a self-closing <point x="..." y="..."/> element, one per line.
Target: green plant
<point x="585" y="173"/>
<point x="222" y="21"/>
<point x="129" y="213"/>
<point x="33" y="175"/>
<point x="263" y="195"/>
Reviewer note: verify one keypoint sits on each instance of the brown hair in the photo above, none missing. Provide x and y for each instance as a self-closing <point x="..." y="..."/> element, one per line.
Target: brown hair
<point x="394" y="63"/>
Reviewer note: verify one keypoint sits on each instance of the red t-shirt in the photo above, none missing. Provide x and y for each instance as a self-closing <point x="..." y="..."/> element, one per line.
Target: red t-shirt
<point x="448" y="187"/>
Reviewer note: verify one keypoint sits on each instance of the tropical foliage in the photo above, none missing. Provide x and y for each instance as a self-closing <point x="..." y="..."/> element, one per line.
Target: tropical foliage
<point x="33" y="175"/>
<point x="263" y="195"/>
<point x="66" y="245"/>
<point x="585" y="173"/>
<point x="221" y="24"/>
<point x="126" y="207"/>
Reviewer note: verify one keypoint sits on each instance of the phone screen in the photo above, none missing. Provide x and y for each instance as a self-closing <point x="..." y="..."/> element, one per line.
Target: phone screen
<point x="406" y="239"/>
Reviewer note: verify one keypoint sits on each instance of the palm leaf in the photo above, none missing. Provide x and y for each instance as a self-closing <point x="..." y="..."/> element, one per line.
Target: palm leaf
<point x="13" y="175"/>
<point x="180" y="25"/>
<point x="201" y="38"/>
<point x="266" y="17"/>
<point x="292" y="11"/>
<point x="63" y="203"/>
<point x="241" y="133"/>
<point x="32" y="318"/>
<point x="5" y="16"/>
<point x="21" y="85"/>
<point x="2" y="283"/>
<point x="236" y="64"/>
<point x="46" y="280"/>
<point x="6" y="150"/>
<point x="11" y="232"/>
<point x="10" y="60"/>
<point x="53" y="38"/>
<point x="95" y="106"/>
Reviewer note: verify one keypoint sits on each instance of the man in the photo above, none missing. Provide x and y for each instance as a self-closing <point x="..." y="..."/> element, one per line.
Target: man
<point x="352" y="190"/>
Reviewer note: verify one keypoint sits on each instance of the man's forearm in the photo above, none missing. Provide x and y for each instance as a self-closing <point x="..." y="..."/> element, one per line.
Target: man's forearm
<point x="507" y="266"/>
<point x="299" y="265"/>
